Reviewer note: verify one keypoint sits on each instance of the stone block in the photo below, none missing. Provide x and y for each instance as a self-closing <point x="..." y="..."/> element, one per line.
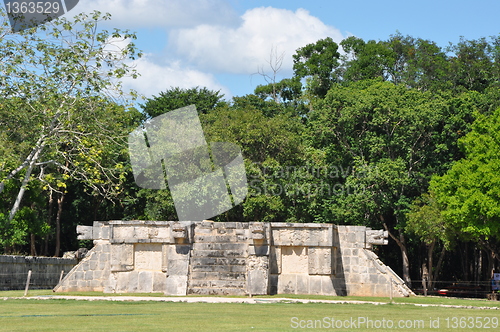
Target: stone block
<point x="374" y="278"/>
<point x="102" y="264"/>
<point x="258" y="282"/>
<point x="275" y="260"/>
<point x="327" y="286"/>
<point x="294" y="260"/>
<point x="145" y="282"/>
<point x="207" y="261"/>
<point x="231" y="261"/>
<point x="320" y="260"/>
<point x="98" y="275"/>
<point x="176" y="285"/>
<point x="94" y="264"/>
<point x="79" y="275"/>
<point x="148" y="256"/>
<point x="96" y="285"/>
<point x="84" y="232"/>
<point x="122" y="257"/>
<point x="259" y="250"/>
<point x="232" y="276"/>
<point x="315" y="285"/>
<point x="204" y="268"/>
<point x="235" y="268"/>
<point x="159" y="280"/>
<point x="133" y="282"/>
<point x="177" y="267"/>
<point x="302" y="284"/>
<point x="122" y="282"/>
<point x="287" y="283"/>
<point x="118" y="232"/>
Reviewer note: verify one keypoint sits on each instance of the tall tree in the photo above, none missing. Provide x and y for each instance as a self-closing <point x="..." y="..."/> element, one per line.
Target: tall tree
<point x="389" y="139"/>
<point x="470" y="190"/>
<point x="317" y="63"/>
<point x="205" y="100"/>
<point x="59" y="79"/>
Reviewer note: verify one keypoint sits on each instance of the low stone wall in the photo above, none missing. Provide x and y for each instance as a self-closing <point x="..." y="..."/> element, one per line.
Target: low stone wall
<point x="233" y="258"/>
<point x="45" y="271"/>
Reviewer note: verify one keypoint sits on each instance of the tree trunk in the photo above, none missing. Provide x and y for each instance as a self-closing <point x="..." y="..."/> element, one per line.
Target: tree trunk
<point x="26" y="179"/>
<point x="60" y="202"/>
<point x="49" y="222"/>
<point x="430" y="253"/>
<point x="438" y="266"/>
<point x="425" y="278"/>
<point x="32" y="245"/>
<point x="404" y="254"/>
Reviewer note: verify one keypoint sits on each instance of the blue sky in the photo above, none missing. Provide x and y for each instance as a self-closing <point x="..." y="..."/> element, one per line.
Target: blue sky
<point x="223" y="44"/>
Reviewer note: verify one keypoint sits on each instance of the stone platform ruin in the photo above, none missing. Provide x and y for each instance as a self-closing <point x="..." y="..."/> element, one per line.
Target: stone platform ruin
<point x="232" y="258"/>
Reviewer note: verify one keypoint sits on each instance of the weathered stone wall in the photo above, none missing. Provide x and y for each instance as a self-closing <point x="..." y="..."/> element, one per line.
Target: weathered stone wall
<point x="231" y="258"/>
<point x="45" y="271"/>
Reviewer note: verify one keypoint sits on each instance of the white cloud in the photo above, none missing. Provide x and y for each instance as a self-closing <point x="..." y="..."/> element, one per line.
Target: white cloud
<point x="155" y="78"/>
<point x="161" y="13"/>
<point x="247" y="48"/>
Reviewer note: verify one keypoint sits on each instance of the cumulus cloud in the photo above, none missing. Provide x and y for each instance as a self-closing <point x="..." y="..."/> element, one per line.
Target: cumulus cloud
<point x="246" y="48"/>
<point x="153" y="13"/>
<point x="157" y="77"/>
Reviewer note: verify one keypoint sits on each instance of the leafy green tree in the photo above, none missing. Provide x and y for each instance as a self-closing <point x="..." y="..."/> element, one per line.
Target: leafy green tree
<point x="389" y="140"/>
<point x="285" y="91"/>
<point x="426" y="221"/>
<point x="61" y="78"/>
<point x="205" y="100"/>
<point x="470" y="190"/>
<point x="416" y="63"/>
<point x="317" y="62"/>
<point x="370" y="60"/>
<point x="472" y="65"/>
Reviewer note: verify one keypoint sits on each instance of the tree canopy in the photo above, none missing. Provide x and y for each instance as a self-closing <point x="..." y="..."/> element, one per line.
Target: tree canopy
<point x="400" y="134"/>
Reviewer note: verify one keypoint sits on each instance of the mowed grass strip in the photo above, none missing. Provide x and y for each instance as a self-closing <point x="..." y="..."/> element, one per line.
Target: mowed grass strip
<point x="70" y="315"/>
<point x="409" y="300"/>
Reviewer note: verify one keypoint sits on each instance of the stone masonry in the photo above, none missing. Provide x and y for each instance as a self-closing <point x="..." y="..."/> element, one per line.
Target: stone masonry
<point x="232" y="258"/>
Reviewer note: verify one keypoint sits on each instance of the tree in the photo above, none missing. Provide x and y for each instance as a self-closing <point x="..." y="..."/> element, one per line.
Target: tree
<point x="369" y="60"/>
<point x="61" y="79"/>
<point x="205" y="100"/>
<point x="414" y="62"/>
<point x="470" y="190"/>
<point x="389" y="139"/>
<point x="426" y="221"/>
<point x="473" y="64"/>
<point x="317" y="62"/>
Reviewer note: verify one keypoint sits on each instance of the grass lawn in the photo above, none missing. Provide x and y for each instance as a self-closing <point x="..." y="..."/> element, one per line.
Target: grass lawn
<point x="71" y="315"/>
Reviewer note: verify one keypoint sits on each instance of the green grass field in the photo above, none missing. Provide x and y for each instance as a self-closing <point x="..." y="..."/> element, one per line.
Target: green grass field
<point x="72" y="315"/>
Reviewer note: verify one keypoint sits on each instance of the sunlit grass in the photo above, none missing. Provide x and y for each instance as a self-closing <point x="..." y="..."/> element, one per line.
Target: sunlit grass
<point x="71" y="315"/>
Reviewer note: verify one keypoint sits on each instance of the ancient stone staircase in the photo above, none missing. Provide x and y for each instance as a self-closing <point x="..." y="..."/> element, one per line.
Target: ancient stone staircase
<point x="218" y="261"/>
<point x="397" y="283"/>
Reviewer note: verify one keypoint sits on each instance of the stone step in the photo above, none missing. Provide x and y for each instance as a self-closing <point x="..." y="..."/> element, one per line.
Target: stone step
<point x="219" y="253"/>
<point x="217" y="276"/>
<point x="218" y="268"/>
<point x="219" y="246"/>
<point x="222" y="238"/>
<point x="217" y="284"/>
<point x="217" y="261"/>
<point x="216" y="291"/>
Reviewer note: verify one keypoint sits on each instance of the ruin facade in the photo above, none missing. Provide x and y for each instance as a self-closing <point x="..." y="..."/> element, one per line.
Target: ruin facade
<point x="233" y="258"/>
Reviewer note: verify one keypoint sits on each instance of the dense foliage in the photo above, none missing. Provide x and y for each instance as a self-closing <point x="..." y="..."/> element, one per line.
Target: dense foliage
<point x="400" y="134"/>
